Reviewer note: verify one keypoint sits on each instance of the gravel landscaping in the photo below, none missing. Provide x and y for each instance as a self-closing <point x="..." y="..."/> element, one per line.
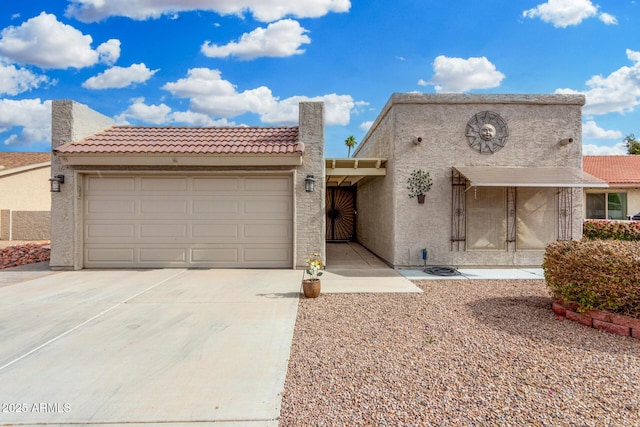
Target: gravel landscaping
<point x="16" y="253"/>
<point x="463" y="353"/>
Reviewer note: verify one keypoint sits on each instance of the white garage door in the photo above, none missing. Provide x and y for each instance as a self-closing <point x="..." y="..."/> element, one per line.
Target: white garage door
<point x="188" y="221"/>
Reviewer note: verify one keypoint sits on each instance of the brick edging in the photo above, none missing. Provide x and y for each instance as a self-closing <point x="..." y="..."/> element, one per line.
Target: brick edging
<point x="603" y="320"/>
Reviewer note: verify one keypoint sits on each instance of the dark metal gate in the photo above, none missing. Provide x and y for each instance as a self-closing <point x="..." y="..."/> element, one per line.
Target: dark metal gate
<point x="341" y="213"/>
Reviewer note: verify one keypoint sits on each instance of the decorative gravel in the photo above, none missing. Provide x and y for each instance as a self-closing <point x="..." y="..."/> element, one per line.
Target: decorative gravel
<point x="463" y="353"/>
<point x="24" y="253"/>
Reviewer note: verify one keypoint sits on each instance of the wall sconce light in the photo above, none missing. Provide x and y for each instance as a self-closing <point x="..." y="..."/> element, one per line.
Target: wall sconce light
<point x="566" y="141"/>
<point x="55" y="182"/>
<point x="309" y="183"/>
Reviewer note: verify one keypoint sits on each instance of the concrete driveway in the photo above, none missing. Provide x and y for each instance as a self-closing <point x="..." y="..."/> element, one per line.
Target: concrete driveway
<point x="150" y="346"/>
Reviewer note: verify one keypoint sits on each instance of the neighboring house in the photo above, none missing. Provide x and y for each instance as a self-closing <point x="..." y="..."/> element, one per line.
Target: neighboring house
<point x="622" y="198"/>
<point x="507" y="179"/>
<point x="143" y="197"/>
<point x="25" y="200"/>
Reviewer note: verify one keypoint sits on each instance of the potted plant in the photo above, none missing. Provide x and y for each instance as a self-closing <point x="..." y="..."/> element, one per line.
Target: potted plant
<point x="311" y="286"/>
<point x="418" y="184"/>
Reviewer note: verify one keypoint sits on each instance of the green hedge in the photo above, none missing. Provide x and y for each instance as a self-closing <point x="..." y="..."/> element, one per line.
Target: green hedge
<point x="606" y="229"/>
<point x="596" y="274"/>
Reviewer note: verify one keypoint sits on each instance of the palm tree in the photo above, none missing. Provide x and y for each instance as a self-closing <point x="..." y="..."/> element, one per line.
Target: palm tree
<point x="350" y="142"/>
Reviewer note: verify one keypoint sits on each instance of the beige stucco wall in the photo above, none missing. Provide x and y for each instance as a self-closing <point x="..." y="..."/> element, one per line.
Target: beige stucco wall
<point x="69" y="123"/>
<point x="27" y="190"/>
<point x="536" y="124"/>
<point x="310" y="220"/>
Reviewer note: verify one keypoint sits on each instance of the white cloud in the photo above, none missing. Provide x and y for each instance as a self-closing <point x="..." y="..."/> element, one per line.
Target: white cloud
<point x="564" y="13"/>
<point x="279" y="39"/>
<point x="608" y="19"/>
<point x="618" y="92"/>
<point x="28" y="119"/>
<point x="590" y="129"/>
<point x="365" y="126"/>
<point x="337" y="109"/>
<point x="198" y="119"/>
<point x="46" y="42"/>
<point x="462" y="75"/>
<point x="265" y="11"/>
<point x="109" y="52"/>
<point x="119" y="77"/>
<point x="154" y="114"/>
<point x="209" y="94"/>
<point x="604" y="150"/>
<point x="14" y="81"/>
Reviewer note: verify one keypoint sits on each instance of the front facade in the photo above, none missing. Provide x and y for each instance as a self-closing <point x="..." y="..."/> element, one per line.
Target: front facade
<point x="507" y="179"/>
<point x="185" y="197"/>
<point x="622" y="199"/>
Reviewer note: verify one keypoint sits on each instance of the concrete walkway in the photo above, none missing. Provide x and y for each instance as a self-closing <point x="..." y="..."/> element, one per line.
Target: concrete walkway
<point x="172" y="347"/>
<point x="353" y="269"/>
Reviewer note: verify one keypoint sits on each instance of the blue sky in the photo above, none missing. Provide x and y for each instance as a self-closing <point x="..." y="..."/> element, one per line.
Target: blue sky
<point x="249" y="62"/>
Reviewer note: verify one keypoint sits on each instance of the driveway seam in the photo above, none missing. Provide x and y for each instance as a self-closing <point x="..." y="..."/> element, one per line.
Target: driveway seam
<point x="102" y="313"/>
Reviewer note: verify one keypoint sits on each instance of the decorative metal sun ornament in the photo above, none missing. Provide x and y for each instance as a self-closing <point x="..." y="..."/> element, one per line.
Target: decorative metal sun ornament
<point x="487" y="132"/>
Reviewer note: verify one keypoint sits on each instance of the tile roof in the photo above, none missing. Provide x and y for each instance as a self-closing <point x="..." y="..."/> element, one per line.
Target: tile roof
<point x="614" y="169"/>
<point x="188" y="140"/>
<point x="17" y="160"/>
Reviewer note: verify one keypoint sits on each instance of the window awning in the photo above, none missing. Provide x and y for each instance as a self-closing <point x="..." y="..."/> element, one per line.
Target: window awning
<point x="496" y="176"/>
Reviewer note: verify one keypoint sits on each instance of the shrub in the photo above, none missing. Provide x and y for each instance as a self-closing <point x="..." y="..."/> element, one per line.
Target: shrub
<point x="608" y="229"/>
<point x="595" y="274"/>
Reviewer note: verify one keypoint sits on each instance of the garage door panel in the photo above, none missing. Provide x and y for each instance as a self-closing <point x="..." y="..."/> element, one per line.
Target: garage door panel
<point x="266" y="206"/>
<point x="206" y="256"/>
<point x="216" y="231"/>
<point x="105" y="256"/>
<point x="189" y="221"/>
<point x="109" y="184"/>
<point x="275" y="255"/>
<point x="163" y="231"/>
<point x="218" y="206"/>
<point x="166" y="255"/>
<point x="110" y="206"/>
<point x="218" y="185"/>
<point x="109" y="231"/>
<point x="268" y="184"/>
<point x="276" y="232"/>
<point x="159" y="207"/>
<point x="163" y="184"/>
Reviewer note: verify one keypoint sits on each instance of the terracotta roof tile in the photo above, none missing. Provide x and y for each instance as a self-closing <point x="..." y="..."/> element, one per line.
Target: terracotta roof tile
<point x="16" y="160"/>
<point x="613" y="169"/>
<point x="188" y="140"/>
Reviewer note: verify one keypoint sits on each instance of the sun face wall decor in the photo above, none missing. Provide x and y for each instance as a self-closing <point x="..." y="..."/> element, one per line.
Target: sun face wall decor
<point x="487" y="132"/>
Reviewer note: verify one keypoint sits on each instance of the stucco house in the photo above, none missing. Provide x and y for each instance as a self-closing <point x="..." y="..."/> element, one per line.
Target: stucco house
<point x="622" y="199"/>
<point x="144" y="197"/>
<point x="25" y="201"/>
<point x="507" y="179"/>
<point x="506" y="169"/>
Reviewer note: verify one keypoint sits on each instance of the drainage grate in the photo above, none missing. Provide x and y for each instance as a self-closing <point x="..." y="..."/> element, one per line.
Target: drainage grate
<point x="442" y="271"/>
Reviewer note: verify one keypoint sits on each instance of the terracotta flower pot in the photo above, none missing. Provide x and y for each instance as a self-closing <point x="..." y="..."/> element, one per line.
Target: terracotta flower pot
<point x="421" y="198"/>
<point x="311" y="288"/>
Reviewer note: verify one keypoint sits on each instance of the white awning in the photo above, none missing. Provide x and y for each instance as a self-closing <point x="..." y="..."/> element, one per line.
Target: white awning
<point x="496" y="176"/>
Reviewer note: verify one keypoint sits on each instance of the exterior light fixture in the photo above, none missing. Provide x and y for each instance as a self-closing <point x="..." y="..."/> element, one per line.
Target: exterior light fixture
<point x="309" y="184"/>
<point x="55" y="182"/>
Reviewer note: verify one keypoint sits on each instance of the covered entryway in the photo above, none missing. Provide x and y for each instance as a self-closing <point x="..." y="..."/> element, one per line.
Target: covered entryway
<point x="223" y="221"/>
<point x="343" y="176"/>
